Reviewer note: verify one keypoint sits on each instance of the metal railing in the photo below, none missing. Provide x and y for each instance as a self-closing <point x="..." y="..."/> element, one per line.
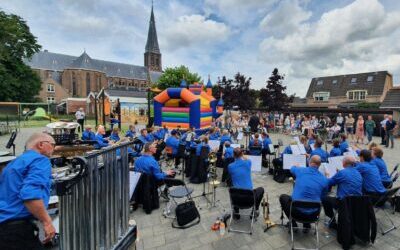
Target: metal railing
<point x="94" y="202"/>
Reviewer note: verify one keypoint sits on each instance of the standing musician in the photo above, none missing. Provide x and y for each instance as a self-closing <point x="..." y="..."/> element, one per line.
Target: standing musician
<point x="310" y="185"/>
<point x="240" y="173"/>
<point x="25" y="185"/>
<point x="372" y="183"/>
<point x="349" y="182"/>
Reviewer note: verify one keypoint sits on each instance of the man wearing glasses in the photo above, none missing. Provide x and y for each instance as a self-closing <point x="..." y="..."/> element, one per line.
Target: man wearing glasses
<point x="24" y="195"/>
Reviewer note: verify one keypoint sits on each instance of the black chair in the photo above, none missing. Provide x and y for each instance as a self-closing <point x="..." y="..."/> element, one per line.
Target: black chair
<point x="255" y="150"/>
<point x="294" y="207"/>
<point x="379" y="205"/>
<point x="177" y="190"/>
<point x="242" y="199"/>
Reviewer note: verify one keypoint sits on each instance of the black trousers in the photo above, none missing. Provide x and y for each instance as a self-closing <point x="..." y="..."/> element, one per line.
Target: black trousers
<point x="81" y="122"/>
<point x="330" y="203"/>
<point x="286" y="201"/>
<point x="258" y="195"/>
<point x="383" y="136"/>
<point x="19" y="235"/>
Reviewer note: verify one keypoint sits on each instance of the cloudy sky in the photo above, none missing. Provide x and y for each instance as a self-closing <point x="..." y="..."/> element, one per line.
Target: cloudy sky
<point x="302" y="38"/>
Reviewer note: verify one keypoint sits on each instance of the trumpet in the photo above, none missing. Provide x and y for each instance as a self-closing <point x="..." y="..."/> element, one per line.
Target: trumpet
<point x="267" y="220"/>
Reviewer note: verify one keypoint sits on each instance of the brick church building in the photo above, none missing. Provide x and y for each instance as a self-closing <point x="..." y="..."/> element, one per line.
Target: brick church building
<point x="66" y="77"/>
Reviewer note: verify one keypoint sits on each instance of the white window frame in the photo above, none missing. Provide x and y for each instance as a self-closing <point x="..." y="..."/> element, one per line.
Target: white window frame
<point x="51" y="99"/>
<point x="51" y="88"/>
<point x="353" y="80"/>
<point x="357" y="94"/>
<point x="322" y="96"/>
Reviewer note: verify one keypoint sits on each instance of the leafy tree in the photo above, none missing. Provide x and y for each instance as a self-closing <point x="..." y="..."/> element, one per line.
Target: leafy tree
<point x="172" y="77"/>
<point x="273" y="96"/>
<point x="236" y="92"/>
<point x="17" y="81"/>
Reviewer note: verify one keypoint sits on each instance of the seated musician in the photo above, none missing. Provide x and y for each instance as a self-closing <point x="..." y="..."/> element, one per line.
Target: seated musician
<point x="310" y="185"/>
<point x="150" y="136"/>
<point x="335" y="151"/>
<point x="319" y="151"/>
<point x="255" y="142"/>
<point x="213" y="135"/>
<point x="203" y="143"/>
<point x="173" y="143"/>
<point x="228" y="151"/>
<point x="312" y="138"/>
<point x="303" y="140"/>
<point x="188" y="137"/>
<point x="115" y="135"/>
<point x="131" y="133"/>
<point x="101" y="142"/>
<point x="88" y="134"/>
<point x="377" y="155"/>
<point x="266" y="141"/>
<point x="343" y="144"/>
<point x="226" y="137"/>
<point x="240" y="173"/>
<point x="348" y="181"/>
<point x="159" y="134"/>
<point x="372" y="183"/>
<point x="144" y="138"/>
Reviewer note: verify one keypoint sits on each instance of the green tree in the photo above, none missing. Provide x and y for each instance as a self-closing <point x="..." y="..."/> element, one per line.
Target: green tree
<point x="17" y="80"/>
<point x="172" y="77"/>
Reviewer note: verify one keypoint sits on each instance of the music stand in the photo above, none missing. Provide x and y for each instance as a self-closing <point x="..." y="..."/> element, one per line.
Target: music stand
<point x="10" y="142"/>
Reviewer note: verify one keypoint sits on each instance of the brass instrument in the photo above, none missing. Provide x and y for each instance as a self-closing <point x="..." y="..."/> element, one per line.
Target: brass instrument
<point x="212" y="160"/>
<point x="267" y="220"/>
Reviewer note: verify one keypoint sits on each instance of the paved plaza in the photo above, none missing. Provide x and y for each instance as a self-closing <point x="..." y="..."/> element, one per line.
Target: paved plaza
<point x="155" y="231"/>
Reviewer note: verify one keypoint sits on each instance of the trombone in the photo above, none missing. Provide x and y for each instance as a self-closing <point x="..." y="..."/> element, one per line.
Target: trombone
<point x="267" y="221"/>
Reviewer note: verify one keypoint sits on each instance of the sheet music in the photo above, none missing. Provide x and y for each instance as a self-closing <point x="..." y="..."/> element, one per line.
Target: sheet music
<point x="336" y="162"/>
<point x="240" y="136"/>
<point x="214" y="144"/>
<point x="328" y="170"/>
<point x="298" y="149"/>
<point x="139" y="127"/>
<point x="290" y="160"/>
<point x="133" y="181"/>
<point x="255" y="162"/>
<point x="271" y="148"/>
<point x="189" y="137"/>
<point x="235" y="146"/>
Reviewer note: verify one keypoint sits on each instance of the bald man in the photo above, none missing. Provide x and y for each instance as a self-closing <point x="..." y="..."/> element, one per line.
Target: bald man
<point x="310" y="185"/>
<point x="348" y="181"/>
<point x="24" y="195"/>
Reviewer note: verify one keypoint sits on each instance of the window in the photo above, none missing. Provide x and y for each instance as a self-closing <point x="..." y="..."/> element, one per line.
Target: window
<point x="320" y="82"/>
<point x="357" y="95"/>
<point x="334" y="81"/>
<point x="51" y="99"/>
<point x="321" y="96"/>
<point x="50" y="88"/>
<point x="370" y="78"/>
<point x="353" y="80"/>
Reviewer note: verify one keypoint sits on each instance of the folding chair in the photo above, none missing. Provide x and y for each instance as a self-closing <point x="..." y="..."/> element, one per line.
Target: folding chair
<point x="255" y="150"/>
<point x="296" y="205"/>
<point x="242" y="199"/>
<point x="379" y="205"/>
<point x="177" y="190"/>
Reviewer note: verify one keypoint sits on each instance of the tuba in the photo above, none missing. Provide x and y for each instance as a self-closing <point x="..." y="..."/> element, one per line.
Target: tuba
<point x="267" y="220"/>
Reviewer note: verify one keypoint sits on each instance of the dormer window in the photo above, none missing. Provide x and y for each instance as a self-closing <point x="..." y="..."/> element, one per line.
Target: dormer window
<point x="354" y="80"/>
<point x="320" y="82"/>
<point x="321" y="96"/>
<point x="357" y="95"/>
<point x="334" y="81"/>
<point x="370" y="78"/>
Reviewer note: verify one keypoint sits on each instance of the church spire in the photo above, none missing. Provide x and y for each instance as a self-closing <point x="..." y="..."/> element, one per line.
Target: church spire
<point x="152" y="41"/>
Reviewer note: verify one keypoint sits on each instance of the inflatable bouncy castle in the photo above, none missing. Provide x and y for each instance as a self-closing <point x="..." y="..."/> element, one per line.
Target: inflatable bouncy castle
<point x="187" y="106"/>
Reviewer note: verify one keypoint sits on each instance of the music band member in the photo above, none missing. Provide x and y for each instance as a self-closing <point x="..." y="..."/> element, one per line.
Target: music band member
<point x="372" y="183"/>
<point x="310" y="185"/>
<point x="131" y="133"/>
<point x="335" y="151"/>
<point x="348" y="181"/>
<point x="88" y="134"/>
<point x="115" y="134"/>
<point x="173" y="143"/>
<point x="101" y="142"/>
<point x="240" y="173"/>
<point x="144" y="136"/>
<point x="319" y="151"/>
<point x="377" y="155"/>
<point x="25" y="185"/>
<point x="148" y="165"/>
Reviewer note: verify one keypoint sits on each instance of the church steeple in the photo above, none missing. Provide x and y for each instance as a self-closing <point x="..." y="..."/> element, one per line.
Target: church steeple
<point x="152" y="55"/>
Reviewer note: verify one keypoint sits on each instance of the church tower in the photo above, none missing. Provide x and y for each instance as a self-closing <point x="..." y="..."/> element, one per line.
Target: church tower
<point x="152" y="54"/>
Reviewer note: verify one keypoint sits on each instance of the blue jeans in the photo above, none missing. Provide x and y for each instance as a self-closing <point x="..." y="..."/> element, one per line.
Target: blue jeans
<point x="369" y="135"/>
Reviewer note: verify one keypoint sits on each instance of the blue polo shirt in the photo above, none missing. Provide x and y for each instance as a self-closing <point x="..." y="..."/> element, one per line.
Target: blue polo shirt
<point x="114" y="137"/>
<point x="100" y="142"/>
<point x="286" y="151"/>
<point x="173" y="142"/>
<point x="266" y="142"/>
<point x="199" y="146"/>
<point x="322" y="153"/>
<point x="214" y="136"/>
<point x="349" y="182"/>
<point x="228" y="152"/>
<point x="150" y="137"/>
<point x="371" y="178"/>
<point x="240" y="172"/>
<point x="88" y="135"/>
<point x="335" y="152"/>
<point x="310" y="185"/>
<point x="255" y="143"/>
<point x="225" y="138"/>
<point x="343" y="146"/>
<point x="28" y="177"/>
<point x="143" y="139"/>
<point x="130" y="134"/>
<point x="383" y="172"/>
<point x="148" y="165"/>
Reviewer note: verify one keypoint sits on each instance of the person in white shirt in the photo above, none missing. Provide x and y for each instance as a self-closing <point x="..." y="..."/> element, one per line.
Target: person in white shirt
<point x="80" y="118"/>
<point x="340" y="121"/>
